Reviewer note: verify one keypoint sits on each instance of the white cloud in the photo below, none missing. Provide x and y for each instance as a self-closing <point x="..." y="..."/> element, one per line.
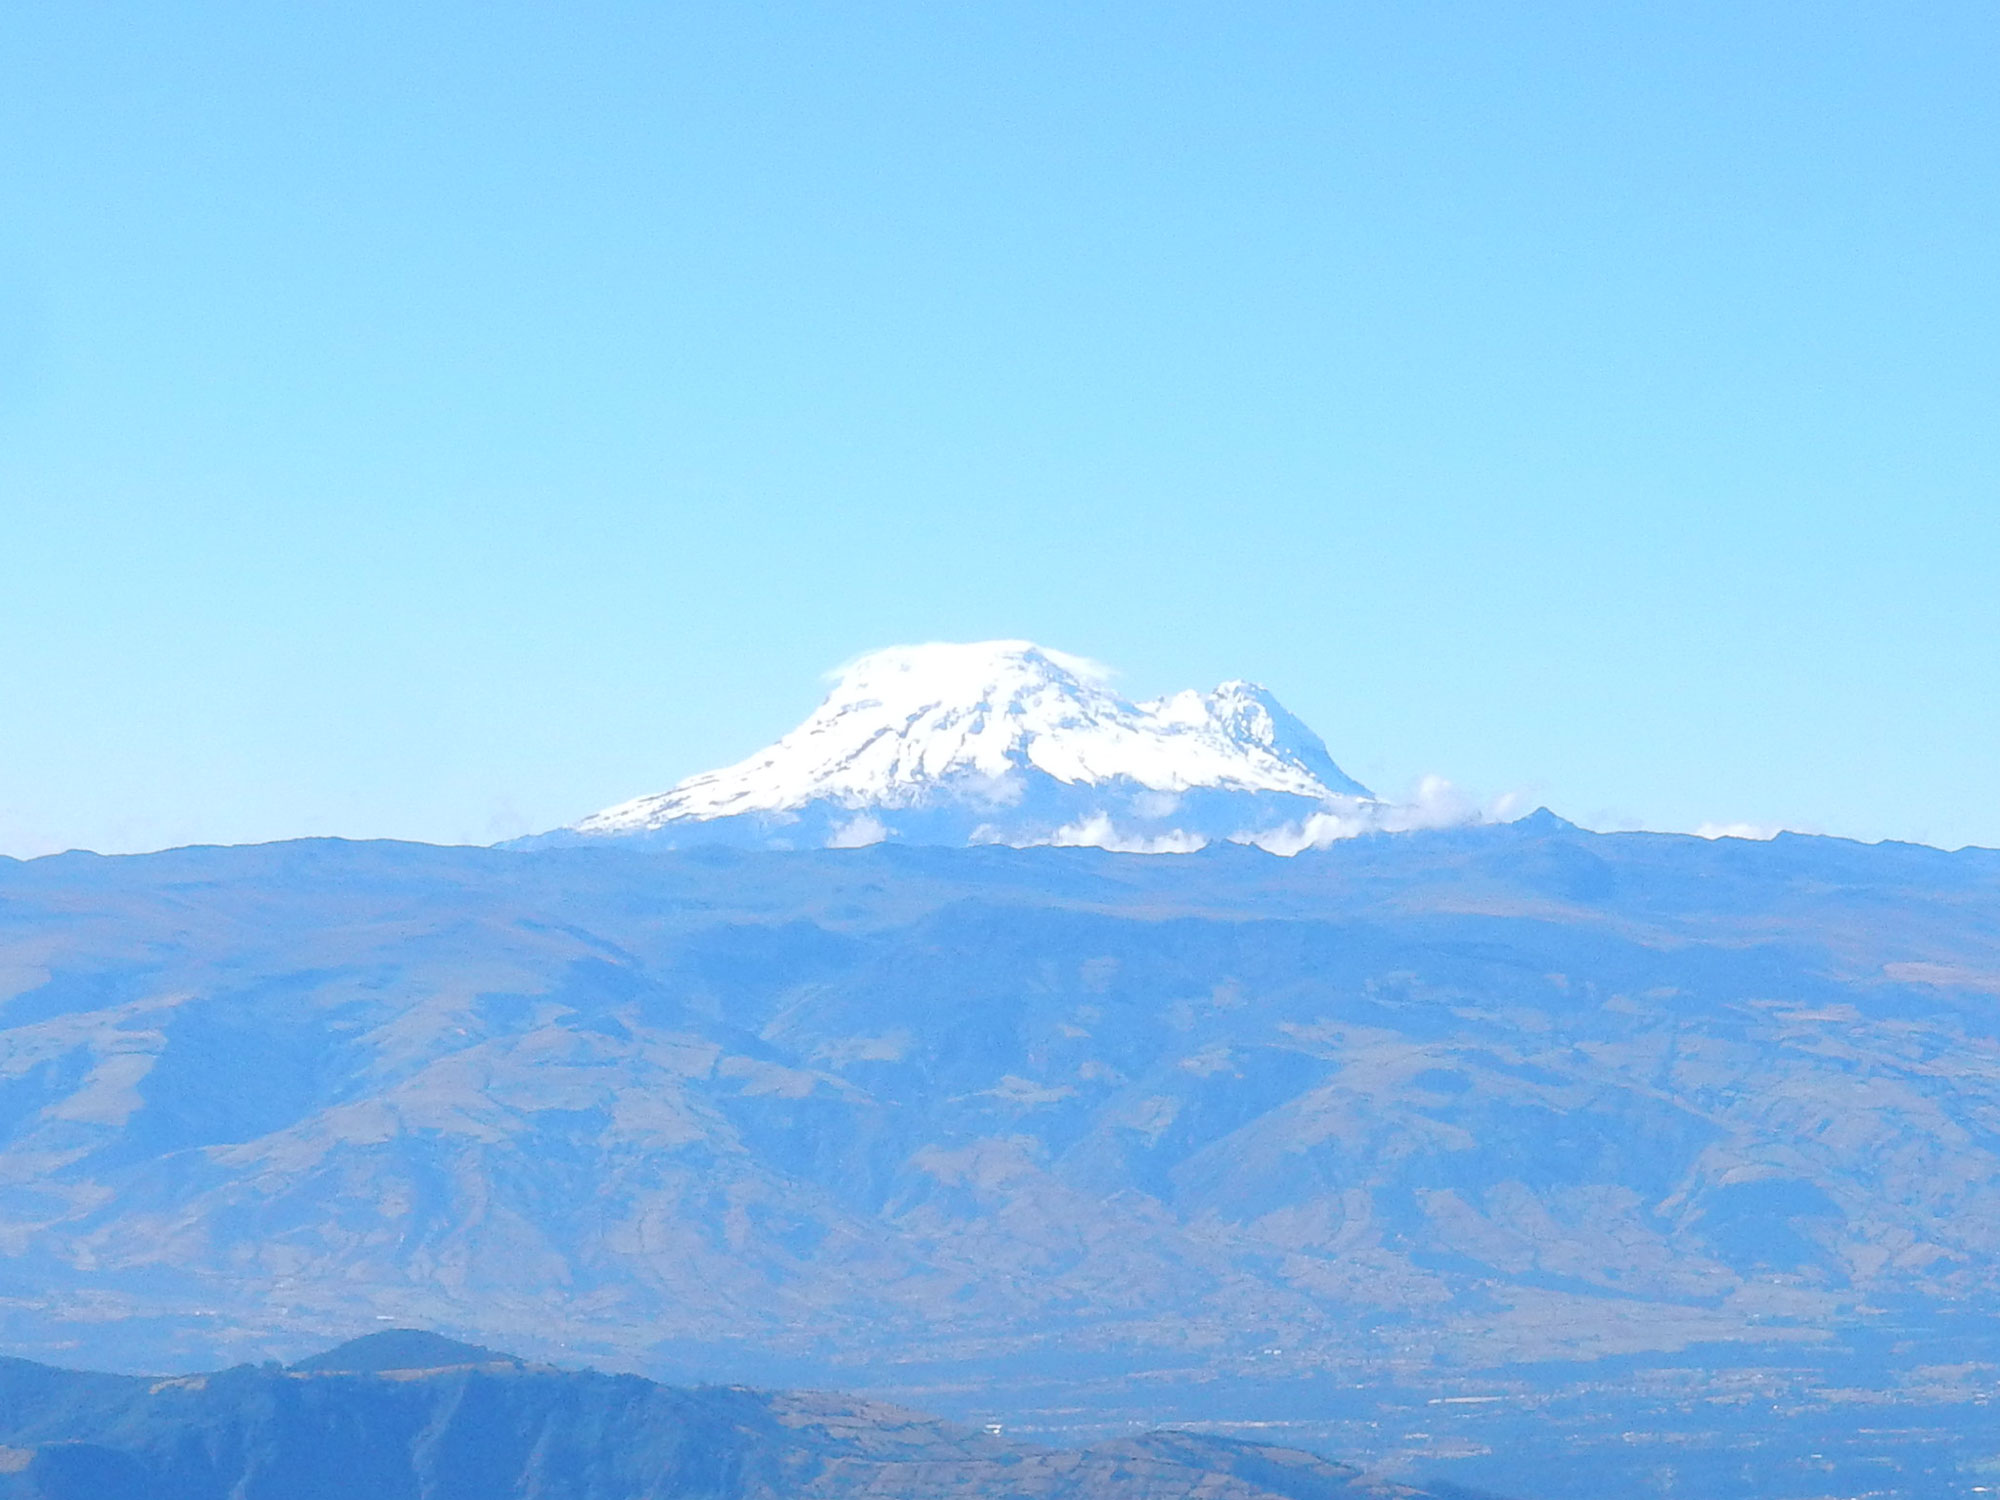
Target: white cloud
<point x="858" y="833"/>
<point x="1433" y="803"/>
<point x="1098" y="832"/>
<point x="1436" y="803"/>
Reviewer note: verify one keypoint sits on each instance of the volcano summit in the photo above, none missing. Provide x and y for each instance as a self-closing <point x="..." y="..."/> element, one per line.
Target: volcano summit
<point x="1006" y="742"/>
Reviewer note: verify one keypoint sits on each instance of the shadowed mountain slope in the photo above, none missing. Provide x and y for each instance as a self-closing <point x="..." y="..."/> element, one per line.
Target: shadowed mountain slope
<point x="496" y="1429"/>
<point x="398" y="1349"/>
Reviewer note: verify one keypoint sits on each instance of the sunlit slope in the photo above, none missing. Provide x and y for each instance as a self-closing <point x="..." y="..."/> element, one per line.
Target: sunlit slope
<point x="1478" y="1096"/>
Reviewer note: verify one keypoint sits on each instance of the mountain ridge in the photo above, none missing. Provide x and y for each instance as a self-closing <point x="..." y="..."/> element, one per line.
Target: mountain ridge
<point x="499" y="1428"/>
<point x="1007" y="742"/>
<point x="1058" y="1137"/>
<point x="399" y="1349"/>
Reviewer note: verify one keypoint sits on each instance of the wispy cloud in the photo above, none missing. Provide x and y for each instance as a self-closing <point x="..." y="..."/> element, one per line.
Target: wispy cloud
<point x="858" y="832"/>
<point x="1098" y="832"/>
<point x="1434" y="802"/>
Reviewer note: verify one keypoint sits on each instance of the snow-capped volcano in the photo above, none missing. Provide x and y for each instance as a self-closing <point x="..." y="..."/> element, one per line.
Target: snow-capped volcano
<point x="1006" y="742"/>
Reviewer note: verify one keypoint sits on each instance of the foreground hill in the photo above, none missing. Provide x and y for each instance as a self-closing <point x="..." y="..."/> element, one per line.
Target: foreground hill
<point x="1479" y="1116"/>
<point x="403" y="1416"/>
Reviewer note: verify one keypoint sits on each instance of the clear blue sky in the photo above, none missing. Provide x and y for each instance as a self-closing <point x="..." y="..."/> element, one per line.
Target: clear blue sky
<point x="441" y="420"/>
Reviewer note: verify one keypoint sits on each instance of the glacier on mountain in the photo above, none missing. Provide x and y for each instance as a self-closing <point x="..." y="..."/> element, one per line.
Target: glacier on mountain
<point x="1007" y="742"/>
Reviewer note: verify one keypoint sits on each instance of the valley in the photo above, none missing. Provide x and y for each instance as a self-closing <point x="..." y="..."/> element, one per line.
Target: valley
<point x="1663" y="1130"/>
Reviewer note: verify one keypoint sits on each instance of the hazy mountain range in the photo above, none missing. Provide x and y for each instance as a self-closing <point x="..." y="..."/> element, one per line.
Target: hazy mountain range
<point x="1416" y="1111"/>
<point x="1561" y="1163"/>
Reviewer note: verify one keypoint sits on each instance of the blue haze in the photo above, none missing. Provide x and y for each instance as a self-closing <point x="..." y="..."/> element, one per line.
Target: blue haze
<point x="1676" y="1158"/>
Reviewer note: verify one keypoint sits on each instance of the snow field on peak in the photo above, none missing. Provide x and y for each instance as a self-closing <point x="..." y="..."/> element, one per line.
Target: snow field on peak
<point x="1009" y="742"/>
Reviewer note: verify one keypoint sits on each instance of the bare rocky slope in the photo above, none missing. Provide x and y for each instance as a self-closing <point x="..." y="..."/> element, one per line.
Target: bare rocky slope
<point x="1420" y="1145"/>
